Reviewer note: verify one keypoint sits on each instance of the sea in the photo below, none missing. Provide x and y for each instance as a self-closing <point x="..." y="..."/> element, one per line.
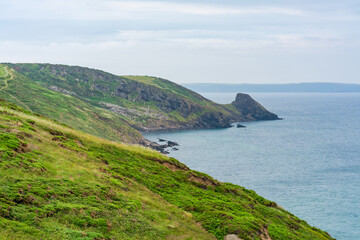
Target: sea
<point x="308" y="163"/>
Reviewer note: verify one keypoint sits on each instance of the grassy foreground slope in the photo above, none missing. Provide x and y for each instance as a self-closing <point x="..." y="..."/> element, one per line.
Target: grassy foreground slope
<point x="55" y="184"/>
<point x="59" y="183"/>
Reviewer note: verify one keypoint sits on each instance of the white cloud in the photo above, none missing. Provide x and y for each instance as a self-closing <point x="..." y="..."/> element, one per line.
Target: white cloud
<point x="117" y="10"/>
<point x="319" y="40"/>
<point x="232" y="41"/>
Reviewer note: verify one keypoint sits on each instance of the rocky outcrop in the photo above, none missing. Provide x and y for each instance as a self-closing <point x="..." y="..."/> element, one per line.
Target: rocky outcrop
<point x="251" y="109"/>
<point x="213" y="120"/>
<point x="240" y="126"/>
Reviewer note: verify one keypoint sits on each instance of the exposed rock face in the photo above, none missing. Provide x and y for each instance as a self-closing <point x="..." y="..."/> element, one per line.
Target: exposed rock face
<point x="231" y="237"/>
<point x="64" y="91"/>
<point x="133" y="113"/>
<point x="252" y="109"/>
<point x="214" y="120"/>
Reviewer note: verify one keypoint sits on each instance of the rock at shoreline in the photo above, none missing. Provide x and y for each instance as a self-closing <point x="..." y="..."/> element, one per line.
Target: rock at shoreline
<point x="163" y="148"/>
<point x="240" y="126"/>
<point x="172" y="144"/>
<point x="155" y="146"/>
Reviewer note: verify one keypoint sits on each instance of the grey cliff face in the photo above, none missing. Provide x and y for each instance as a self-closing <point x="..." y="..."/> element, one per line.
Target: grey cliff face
<point x="251" y="109"/>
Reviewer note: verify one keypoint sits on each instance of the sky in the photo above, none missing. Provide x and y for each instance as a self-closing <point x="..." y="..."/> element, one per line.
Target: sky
<point x="223" y="41"/>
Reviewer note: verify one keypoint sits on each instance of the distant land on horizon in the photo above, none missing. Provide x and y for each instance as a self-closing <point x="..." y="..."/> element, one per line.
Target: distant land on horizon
<point x="290" y="87"/>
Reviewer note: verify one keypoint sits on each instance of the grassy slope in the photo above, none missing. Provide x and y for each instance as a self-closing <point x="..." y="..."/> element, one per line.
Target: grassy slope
<point x="54" y="184"/>
<point x="67" y="109"/>
<point x="44" y="73"/>
<point x="68" y="77"/>
<point x="58" y="183"/>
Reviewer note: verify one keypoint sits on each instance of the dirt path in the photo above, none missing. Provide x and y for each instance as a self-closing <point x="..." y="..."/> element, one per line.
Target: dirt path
<point x="18" y="100"/>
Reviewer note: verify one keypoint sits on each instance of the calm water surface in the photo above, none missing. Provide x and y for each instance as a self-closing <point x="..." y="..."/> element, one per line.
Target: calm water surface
<point x="308" y="163"/>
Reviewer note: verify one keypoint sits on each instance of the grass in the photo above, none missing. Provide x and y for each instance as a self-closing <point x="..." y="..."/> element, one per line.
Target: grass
<point x="59" y="183"/>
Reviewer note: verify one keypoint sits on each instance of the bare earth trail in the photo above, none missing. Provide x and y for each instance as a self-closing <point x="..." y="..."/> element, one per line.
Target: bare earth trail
<point x="8" y="76"/>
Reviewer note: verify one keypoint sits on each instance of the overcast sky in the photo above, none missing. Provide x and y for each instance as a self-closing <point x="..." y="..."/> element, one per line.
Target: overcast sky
<point x="228" y="41"/>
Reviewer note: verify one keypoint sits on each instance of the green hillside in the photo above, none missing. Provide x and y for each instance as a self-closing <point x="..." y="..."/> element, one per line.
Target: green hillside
<point x="117" y="104"/>
<point x="68" y="109"/>
<point x="59" y="183"/>
<point x="153" y="103"/>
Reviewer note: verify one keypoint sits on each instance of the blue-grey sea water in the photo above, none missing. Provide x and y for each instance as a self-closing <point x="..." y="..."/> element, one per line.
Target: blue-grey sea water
<point x="309" y="163"/>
